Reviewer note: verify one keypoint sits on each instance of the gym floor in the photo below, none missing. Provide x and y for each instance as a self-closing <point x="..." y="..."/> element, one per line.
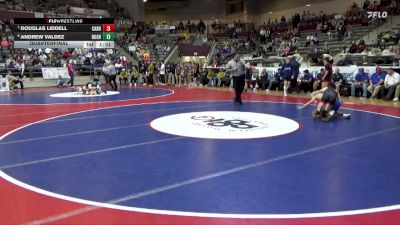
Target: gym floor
<point x="175" y="155"/>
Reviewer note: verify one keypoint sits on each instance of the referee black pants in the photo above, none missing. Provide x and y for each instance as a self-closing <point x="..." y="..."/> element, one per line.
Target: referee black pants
<point x="112" y="81"/>
<point x="238" y="84"/>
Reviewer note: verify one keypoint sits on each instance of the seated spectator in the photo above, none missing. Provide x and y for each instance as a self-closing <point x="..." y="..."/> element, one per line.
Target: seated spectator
<point x="313" y="58"/>
<point x="4" y="43"/>
<point x="396" y="37"/>
<point x="276" y="81"/>
<point x="325" y="27"/>
<point x="318" y="80"/>
<point x="353" y="47"/>
<point x="386" y="37"/>
<point x="361" y="46"/>
<point x="375" y="51"/>
<point x="315" y="39"/>
<point x="365" y="62"/>
<point x="286" y="50"/>
<point x="313" y="46"/>
<point x="36" y="62"/>
<point x="366" y="4"/>
<point x="388" y="51"/>
<point x="10" y="66"/>
<point x="306" y="82"/>
<point x="254" y="82"/>
<point x="344" y="61"/>
<point x="308" y="41"/>
<point x="338" y="80"/>
<point x="20" y="66"/>
<point x="264" y="79"/>
<point x="375" y="82"/>
<point x="392" y="80"/>
<point x="123" y="77"/>
<point x="360" y="81"/>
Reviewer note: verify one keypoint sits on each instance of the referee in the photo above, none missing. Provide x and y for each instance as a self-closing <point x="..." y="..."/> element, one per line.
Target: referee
<point x="236" y="68"/>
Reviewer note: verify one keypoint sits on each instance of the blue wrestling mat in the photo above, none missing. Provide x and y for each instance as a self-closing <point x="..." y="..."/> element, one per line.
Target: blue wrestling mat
<point x="212" y="157"/>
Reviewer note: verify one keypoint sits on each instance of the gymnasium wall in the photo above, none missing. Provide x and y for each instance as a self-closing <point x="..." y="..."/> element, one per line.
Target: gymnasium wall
<point x="135" y="8"/>
<point x="329" y="7"/>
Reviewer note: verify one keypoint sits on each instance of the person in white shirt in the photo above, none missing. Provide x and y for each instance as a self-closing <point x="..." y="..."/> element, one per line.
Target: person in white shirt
<point x="112" y="76"/>
<point x="78" y="51"/>
<point x="263" y="36"/>
<point x="26" y="57"/>
<point x="132" y="49"/>
<point x="43" y="58"/>
<point x="162" y="73"/>
<point x="48" y="50"/>
<point x="392" y="81"/>
<point x="235" y="68"/>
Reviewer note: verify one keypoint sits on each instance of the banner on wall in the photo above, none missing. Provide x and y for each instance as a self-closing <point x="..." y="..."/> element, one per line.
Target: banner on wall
<point x="53" y="73"/>
<point x="4" y="85"/>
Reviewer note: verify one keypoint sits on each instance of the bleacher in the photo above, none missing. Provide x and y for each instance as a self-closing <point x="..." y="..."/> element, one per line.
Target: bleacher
<point x="334" y="45"/>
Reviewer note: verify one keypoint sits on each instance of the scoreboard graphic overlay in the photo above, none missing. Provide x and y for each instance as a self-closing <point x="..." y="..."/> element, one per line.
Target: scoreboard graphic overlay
<point x="64" y="33"/>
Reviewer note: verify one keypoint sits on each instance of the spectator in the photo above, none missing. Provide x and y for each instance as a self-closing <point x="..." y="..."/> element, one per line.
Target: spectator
<point x="338" y="80"/>
<point x="10" y="66"/>
<point x="150" y="74"/>
<point x="71" y="72"/>
<point x="123" y="77"/>
<point x="361" y="46"/>
<point x="392" y="80"/>
<point x="353" y="47"/>
<point x="325" y="27"/>
<point x="366" y="5"/>
<point x="318" y="80"/>
<point x="276" y="81"/>
<point x="4" y="43"/>
<point x="360" y="81"/>
<point x="306" y="82"/>
<point x="365" y="62"/>
<point x="388" y="51"/>
<point x="263" y="35"/>
<point x="163" y="73"/>
<point x="344" y="61"/>
<point x="375" y="82"/>
<point x="201" y="26"/>
<point x="264" y="79"/>
<point x="313" y="58"/>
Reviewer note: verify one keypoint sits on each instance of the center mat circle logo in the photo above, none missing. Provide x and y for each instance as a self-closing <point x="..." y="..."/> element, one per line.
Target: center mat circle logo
<point x="225" y="125"/>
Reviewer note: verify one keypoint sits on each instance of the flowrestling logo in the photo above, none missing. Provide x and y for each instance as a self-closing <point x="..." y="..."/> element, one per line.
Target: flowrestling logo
<point x="377" y="14"/>
<point x="224" y="125"/>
